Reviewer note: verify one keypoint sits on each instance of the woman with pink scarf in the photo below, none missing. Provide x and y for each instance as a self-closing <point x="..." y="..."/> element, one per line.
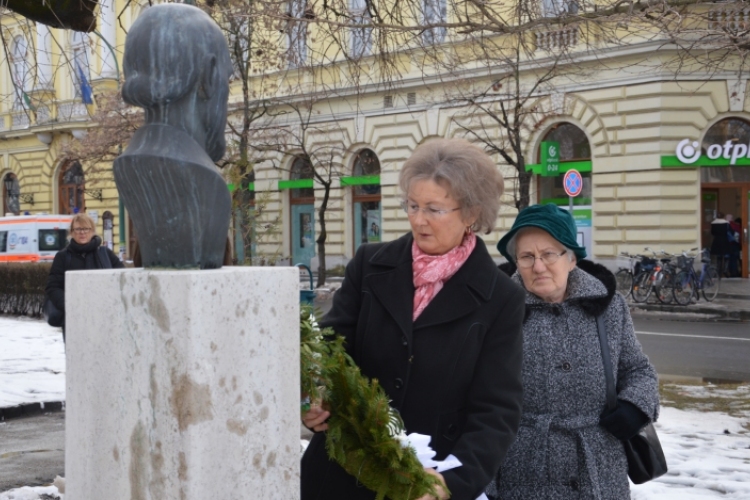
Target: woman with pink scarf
<point x="431" y="317"/>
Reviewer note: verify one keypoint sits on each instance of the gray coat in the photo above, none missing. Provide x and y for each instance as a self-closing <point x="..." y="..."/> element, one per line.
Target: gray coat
<point x="560" y="451"/>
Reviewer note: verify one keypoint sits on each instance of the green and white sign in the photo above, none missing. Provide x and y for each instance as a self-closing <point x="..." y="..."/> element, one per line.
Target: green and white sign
<point x="550" y="156"/>
<point x="688" y="153"/>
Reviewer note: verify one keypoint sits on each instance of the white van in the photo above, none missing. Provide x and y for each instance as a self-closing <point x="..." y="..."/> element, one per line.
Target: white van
<point x="33" y="238"/>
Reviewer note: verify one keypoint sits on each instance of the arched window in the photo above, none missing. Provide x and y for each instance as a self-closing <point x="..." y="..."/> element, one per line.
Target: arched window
<point x="302" y="203"/>
<point x="21" y="72"/>
<point x="11" y="195"/>
<point x="574" y="147"/>
<point x="71" y="188"/>
<point x="368" y="219"/>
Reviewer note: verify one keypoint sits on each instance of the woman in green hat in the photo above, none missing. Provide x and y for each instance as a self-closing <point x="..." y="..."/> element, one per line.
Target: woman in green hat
<point x="568" y="446"/>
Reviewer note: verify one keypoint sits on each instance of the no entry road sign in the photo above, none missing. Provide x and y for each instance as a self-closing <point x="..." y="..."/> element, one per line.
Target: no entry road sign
<point x="573" y="182"/>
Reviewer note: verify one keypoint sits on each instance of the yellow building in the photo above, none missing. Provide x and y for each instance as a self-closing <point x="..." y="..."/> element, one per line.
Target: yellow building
<point x="661" y="151"/>
<point x="46" y="86"/>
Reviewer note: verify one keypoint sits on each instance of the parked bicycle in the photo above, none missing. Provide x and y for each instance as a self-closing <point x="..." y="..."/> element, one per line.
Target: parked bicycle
<point x="625" y="275"/>
<point x="688" y="283"/>
<point x="649" y="270"/>
<point x="665" y="280"/>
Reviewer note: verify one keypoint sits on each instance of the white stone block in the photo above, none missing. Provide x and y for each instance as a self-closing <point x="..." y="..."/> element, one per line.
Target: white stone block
<point x="182" y="385"/>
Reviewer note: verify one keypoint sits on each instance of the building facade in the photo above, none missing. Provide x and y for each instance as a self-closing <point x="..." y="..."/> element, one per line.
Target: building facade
<point x="661" y="152"/>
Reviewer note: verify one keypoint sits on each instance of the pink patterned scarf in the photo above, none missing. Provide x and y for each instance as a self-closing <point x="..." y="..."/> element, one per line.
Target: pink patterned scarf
<point x="430" y="272"/>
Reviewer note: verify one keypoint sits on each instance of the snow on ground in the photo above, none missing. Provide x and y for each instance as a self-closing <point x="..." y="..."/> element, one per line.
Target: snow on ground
<point x="708" y="452"/>
<point x="32" y="362"/>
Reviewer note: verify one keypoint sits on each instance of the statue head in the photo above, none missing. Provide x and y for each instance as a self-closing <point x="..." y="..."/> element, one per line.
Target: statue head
<point x="177" y="68"/>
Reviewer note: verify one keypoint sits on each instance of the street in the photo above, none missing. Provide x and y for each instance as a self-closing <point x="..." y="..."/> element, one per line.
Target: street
<point x="715" y="351"/>
<point x="718" y="351"/>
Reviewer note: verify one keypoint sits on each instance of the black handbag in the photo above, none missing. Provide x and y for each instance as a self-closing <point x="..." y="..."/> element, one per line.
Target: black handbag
<point x="53" y="315"/>
<point x="646" y="459"/>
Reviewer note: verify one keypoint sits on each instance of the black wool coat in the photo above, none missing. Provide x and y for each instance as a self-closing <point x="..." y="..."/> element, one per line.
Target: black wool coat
<point x="81" y="257"/>
<point x="453" y="374"/>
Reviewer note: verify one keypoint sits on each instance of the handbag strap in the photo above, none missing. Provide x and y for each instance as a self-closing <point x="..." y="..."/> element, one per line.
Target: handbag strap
<point x="608" y="375"/>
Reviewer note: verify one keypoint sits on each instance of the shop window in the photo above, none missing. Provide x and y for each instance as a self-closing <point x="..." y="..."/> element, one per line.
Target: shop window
<point x="731" y="129"/>
<point x="366" y="198"/>
<point x="574" y="148"/>
<point x="302" y="204"/>
<point x="11" y="195"/>
<point x="71" y="189"/>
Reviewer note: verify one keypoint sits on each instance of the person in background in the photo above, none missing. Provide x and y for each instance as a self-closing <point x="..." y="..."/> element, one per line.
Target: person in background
<point x="85" y="251"/>
<point x="735" y="245"/>
<point x="720" y="242"/>
<point x="568" y="446"/>
<point x="741" y="231"/>
<point x="431" y="317"/>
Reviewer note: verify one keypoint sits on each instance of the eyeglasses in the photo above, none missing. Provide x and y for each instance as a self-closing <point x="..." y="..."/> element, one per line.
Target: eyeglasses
<point x="82" y="230"/>
<point x="548" y="258"/>
<point x="412" y="209"/>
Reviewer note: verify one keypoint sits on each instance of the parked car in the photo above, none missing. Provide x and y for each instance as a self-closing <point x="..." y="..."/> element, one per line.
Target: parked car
<point x="33" y="238"/>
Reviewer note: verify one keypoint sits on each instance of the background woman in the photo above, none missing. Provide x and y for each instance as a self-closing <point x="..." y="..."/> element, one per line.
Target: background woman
<point x="566" y="446"/>
<point x="431" y="317"/>
<point x="83" y="252"/>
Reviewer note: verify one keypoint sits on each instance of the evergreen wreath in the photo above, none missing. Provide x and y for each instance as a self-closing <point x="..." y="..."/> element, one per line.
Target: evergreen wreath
<point x="363" y="430"/>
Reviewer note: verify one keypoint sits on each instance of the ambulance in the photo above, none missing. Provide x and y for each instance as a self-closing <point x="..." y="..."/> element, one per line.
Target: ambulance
<point x="33" y="238"/>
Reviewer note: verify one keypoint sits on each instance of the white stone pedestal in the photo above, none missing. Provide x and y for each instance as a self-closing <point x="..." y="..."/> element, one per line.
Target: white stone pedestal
<point x="182" y="385"/>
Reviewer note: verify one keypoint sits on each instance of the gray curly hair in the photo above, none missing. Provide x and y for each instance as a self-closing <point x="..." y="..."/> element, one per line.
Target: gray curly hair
<point x="467" y="172"/>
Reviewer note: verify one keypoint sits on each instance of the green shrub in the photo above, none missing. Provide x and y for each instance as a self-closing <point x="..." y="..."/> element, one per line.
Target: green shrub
<point x="22" y="288"/>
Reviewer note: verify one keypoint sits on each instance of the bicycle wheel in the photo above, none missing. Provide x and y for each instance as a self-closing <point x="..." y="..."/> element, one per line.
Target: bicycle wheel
<point x="642" y="286"/>
<point x="624" y="282"/>
<point x="684" y="288"/>
<point x="665" y="291"/>
<point x="710" y="284"/>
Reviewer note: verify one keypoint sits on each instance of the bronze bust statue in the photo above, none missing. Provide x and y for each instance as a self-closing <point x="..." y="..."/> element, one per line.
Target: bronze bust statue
<point x="177" y="68"/>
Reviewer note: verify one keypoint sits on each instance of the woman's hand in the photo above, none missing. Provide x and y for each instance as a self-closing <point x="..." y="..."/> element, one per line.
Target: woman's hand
<point x="315" y="419"/>
<point x="439" y="488"/>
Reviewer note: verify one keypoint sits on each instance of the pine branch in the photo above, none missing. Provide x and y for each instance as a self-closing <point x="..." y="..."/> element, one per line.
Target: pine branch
<point x="362" y="427"/>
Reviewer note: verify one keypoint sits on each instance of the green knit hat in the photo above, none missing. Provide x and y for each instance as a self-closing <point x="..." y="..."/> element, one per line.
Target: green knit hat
<point x="557" y="222"/>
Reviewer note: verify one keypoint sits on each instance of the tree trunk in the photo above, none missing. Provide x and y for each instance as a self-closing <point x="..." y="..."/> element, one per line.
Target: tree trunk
<point x="321" y="241"/>
<point x="524" y="187"/>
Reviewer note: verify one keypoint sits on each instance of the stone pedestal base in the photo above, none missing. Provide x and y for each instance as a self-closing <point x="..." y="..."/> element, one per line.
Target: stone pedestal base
<point x="182" y="385"/>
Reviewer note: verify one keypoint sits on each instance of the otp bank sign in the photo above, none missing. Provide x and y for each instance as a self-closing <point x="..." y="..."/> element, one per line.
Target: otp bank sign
<point x="689" y="151"/>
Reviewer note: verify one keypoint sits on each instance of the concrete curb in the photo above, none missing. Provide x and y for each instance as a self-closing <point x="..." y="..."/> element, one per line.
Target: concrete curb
<point x="30" y="409"/>
<point x="687" y="313"/>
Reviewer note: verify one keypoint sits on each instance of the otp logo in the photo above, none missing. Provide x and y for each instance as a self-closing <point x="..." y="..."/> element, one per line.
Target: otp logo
<point x="688" y="152"/>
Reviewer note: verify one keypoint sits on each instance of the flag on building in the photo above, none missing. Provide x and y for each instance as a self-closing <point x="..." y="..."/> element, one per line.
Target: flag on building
<point x="87" y="95"/>
<point x="28" y="102"/>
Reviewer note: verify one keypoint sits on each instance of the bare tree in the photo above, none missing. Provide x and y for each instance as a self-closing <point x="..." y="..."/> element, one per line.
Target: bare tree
<point x="296" y="131"/>
<point x="116" y="122"/>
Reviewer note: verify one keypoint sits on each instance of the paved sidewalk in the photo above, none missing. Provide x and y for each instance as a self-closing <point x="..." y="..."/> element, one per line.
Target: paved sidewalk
<point x="731" y="304"/>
